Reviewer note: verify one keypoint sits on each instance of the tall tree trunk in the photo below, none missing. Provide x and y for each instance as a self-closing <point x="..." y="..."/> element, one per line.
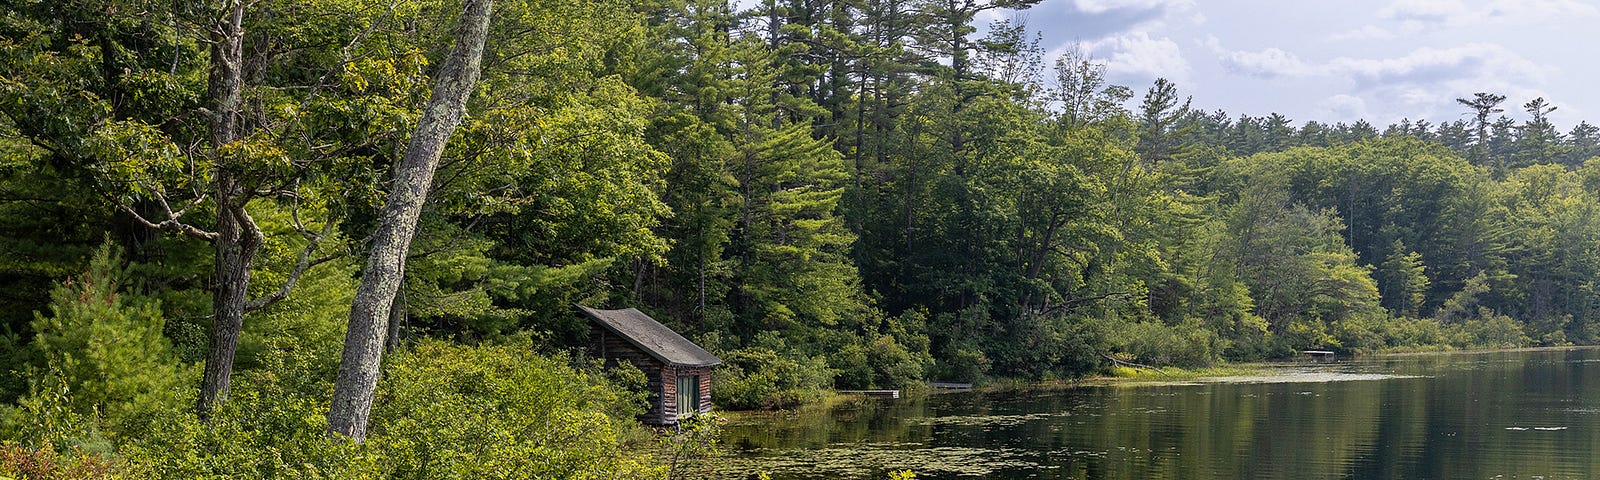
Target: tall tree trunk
<point x="380" y="278"/>
<point x="237" y="239"/>
<point x="397" y="315"/>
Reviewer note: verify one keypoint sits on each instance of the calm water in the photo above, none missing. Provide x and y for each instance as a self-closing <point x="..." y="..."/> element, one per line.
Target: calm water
<point x="1503" y="415"/>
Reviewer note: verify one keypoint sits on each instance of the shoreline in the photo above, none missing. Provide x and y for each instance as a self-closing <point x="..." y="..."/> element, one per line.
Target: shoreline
<point x="1142" y="376"/>
<point x="1414" y="353"/>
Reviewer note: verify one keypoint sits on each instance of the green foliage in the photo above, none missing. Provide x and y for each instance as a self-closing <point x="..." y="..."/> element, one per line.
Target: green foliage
<point x="268" y="428"/>
<point x="881" y="363"/>
<point x="45" y="463"/>
<point x="689" y="449"/>
<point x="902" y="475"/>
<point x="444" y="411"/>
<point x="500" y="411"/>
<point x="100" y="350"/>
<point x="1155" y="343"/>
<point x="1406" y="278"/>
<point x="767" y="375"/>
<point x="796" y="185"/>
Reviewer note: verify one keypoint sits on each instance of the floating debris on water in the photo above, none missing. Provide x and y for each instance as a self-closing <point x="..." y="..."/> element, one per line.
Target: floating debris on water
<point x="985" y="420"/>
<point x="859" y="461"/>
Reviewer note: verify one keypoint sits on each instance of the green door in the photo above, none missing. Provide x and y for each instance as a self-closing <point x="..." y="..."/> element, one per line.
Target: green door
<point x="688" y="395"/>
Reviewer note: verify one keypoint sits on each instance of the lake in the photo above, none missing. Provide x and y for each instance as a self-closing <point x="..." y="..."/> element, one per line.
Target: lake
<point x="1492" y="415"/>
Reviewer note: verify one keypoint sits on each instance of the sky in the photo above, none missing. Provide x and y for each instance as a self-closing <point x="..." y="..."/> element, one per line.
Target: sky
<point x="1340" y="60"/>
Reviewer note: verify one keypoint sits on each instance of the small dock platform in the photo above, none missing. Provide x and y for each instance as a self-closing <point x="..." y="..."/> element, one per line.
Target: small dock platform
<point x="1319" y="356"/>
<point x="873" y="393"/>
<point x="948" y="387"/>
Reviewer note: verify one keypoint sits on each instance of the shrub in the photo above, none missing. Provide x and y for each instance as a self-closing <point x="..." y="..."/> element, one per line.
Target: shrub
<point x="1489" y="330"/>
<point x="883" y="363"/>
<point x="501" y="411"/>
<point x="687" y="450"/>
<point x="442" y="411"/>
<point x="45" y="463"/>
<point x="1155" y="343"/>
<point x="264" y="430"/>
<point x="761" y="378"/>
<point x="1307" y="334"/>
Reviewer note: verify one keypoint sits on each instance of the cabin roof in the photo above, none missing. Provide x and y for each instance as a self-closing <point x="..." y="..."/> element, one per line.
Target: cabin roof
<point x="652" y="337"/>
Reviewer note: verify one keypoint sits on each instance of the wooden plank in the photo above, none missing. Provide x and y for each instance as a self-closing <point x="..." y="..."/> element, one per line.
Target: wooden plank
<point x="873" y="393"/>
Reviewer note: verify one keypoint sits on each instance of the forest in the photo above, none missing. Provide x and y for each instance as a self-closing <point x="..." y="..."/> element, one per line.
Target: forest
<point x="196" y="199"/>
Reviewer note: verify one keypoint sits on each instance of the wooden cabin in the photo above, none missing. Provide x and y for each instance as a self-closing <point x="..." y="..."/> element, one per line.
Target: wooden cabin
<point x="679" y="371"/>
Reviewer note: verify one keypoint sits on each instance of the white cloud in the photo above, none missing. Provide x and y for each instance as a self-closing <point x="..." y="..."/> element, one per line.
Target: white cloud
<point x="1103" y="6"/>
<point x="1424" y="10"/>
<point x="1416" y="14"/>
<point x="1422" y="83"/>
<point x="1268" y="63"/>
<point x="1140" y="55"/>
<point x="1423" y="65"/>
<point x="1433" y="64"/>
<point x="1369" y="32"/>
<point x="1343" y="107"/>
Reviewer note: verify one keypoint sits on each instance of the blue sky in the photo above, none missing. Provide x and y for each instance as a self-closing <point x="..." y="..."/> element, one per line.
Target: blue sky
<point x="1332" y="61"/>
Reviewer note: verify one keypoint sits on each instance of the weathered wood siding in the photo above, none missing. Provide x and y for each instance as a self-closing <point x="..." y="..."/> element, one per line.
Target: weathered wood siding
<point x="669" y="395"/>
<point x="669" y="391"/>
<point x="705" y="390"/>
<point x="615" y="349"/>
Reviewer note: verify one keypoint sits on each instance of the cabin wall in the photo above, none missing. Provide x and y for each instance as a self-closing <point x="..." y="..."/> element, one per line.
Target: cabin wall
<point x="661" y="379"/>
<point x="705" y="390"/>
<point x="669" y="392"/>
<point x="615" y="349"/>
<point x="669" y="395"/>
<point x="705" y="386"/>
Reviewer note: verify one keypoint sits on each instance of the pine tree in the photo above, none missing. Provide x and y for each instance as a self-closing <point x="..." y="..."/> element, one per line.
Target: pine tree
<point x="103" y="346"/>
<point x="1403" y="281"/>
<point x="790" y="250"/>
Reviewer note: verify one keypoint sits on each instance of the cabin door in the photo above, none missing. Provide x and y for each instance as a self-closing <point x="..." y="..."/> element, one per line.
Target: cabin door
<point x="688" y="395"/>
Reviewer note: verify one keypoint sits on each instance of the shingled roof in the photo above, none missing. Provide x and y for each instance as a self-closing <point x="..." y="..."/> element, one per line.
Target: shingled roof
<point x="652" y="337"/>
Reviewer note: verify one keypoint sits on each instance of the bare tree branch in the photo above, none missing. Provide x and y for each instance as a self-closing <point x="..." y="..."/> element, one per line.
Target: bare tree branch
<point x="303" y="263"/>
<point x="171" y="224"/>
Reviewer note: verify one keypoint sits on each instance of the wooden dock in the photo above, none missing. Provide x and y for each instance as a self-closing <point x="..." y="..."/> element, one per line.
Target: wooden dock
<point x="873" y="393"/>
<point x="1319" y="356"/>
<point x="947" y="387"/>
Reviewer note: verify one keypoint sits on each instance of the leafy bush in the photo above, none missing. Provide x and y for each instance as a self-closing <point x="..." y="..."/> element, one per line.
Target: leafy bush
<point x="1155" y="343"/>
<point x="1307" y="334"/>
<point x="501" y="411"/>
<point x="45" y="463"/>
<point x="1490" y="330"/>
<point x="883" y="363"/>
<point x="442" y="411"/>
<point x="687" y="450"/>
<point x="760" y="378"/>
<point x="767" y="374"/>
<point x="266" y="429"/>
<point x="1361" y="334"/>
<point x="962" y="364"/>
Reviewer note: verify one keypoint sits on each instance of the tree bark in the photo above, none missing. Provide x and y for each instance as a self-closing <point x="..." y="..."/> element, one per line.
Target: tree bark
<point x="380" y="277"/>
<point x="237" y="239"/>
<point x="397" y="315"/>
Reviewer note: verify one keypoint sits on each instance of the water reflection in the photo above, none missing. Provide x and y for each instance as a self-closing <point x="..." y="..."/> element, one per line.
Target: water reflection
<point x="1505" y="414"/>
